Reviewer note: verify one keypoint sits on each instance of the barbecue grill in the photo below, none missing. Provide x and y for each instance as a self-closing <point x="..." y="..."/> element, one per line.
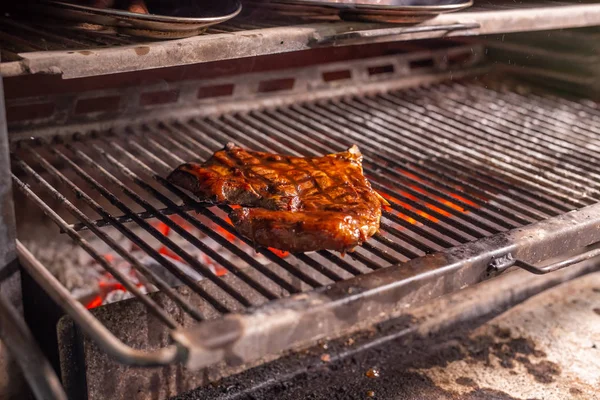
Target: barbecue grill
<point x="487" y="166"/>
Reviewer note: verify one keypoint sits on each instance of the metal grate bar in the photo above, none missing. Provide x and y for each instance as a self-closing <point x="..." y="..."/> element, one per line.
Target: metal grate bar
<point x="341" y="263"/>
<point x="202" y="127"/>
<point x="525" y="121"/>
<point x="148" y="249"/>
<point x="582" y="145"/>
<point x="225" y="225"/>
<point x="420" y="248"/>
<point x="152" y="306"/>
<point x="188" y="258"/>
<point x="415" y="135"/>
<point x="266" y="252"/>
<point x="514" y="164"/>
<point x="570" y="108"/>
<point x="159" y="282"/>
<point x="177" y="228"/>
<point x="57" y="41"/>
<point x="80" y="226"/>
<point x="383" y="254"/>
<point x="204" y="211"/>
<point x="478" y="161"/>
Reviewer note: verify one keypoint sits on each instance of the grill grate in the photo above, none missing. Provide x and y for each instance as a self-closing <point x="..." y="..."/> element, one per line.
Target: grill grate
<point x="457" y="161"/>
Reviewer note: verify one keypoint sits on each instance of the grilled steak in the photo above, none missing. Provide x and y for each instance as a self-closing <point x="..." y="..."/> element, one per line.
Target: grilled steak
<point x="290" y="203"/>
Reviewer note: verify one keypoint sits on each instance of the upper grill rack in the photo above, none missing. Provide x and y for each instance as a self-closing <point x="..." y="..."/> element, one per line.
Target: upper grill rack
<point x="30" y="49"/>
<point x="457" y="161"/>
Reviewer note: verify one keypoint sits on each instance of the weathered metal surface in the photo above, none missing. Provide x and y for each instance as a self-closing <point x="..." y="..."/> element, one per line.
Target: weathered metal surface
<point x="383" y="294"/>
<point x="132" y="324"/>
<point x="12" y="383"/>
<point x="87" y="368"/>
<point x="7" y="219"/>
<point x="508" y="261"/>
<point x="149" y="26"/>
<point x="20" y="342"/>
<point x="309" y="85"/>
<point x="89" y="324"/>
<point x="214" y="47"/>
<point x="545" y="348"/>
<point x="468" y="347"/>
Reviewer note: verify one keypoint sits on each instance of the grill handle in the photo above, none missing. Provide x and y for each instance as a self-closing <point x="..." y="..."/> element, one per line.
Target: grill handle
<point x="501" y="264"/>
<point x="340" y="38"/>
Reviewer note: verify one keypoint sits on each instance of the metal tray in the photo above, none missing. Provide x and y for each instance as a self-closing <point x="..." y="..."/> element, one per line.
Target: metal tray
<point x="142" y="25"/>
<point x="389" y="11"/>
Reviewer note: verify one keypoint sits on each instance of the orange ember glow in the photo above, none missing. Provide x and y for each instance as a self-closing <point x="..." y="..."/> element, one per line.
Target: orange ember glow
<point x="107" y="283"/>
<point x="438" y="210"/>
<point x="169" y="253"/>
<point x="214" y="267"/>
<point x="225" y="233"/>
<point x="466" y="201"/>
<point x="95" y="302"/>
<point x="408" y="207"/>
<point x="110" y="286"/>
<point x="279" y="253"/>
<point x="163" y="228"/>
<point x="181" y="222"/>
<point x="396" y="212"/>
<point x="451" y="194"/>
<point x="441" y="200"/>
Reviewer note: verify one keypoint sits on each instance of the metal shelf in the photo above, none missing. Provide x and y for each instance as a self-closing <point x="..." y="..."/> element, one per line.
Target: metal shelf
<point x="31" y="49"/>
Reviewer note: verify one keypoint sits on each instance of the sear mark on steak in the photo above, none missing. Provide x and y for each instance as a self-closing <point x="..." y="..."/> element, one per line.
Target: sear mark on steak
<point x="290" y="203"/>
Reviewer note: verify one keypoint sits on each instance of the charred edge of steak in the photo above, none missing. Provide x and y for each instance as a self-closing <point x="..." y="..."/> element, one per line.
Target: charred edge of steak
<point x="300" y="232"/>
<point x="183" y="178"/>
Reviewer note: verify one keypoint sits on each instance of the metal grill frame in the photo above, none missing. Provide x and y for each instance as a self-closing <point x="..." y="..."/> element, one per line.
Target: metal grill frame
<point x="423" y="65"/>
<point x="330" y="311"/>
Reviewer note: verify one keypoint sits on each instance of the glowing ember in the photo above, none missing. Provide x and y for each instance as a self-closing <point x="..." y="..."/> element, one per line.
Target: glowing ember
<point x="166" y="252"/>
<point x="107" y="289"/>
<point x="224" y="232"/>
<point x="406" y="195"/>
<point x="162" y="228"/>
<point x="279" y="253"/>
<point x="95" y="302"/>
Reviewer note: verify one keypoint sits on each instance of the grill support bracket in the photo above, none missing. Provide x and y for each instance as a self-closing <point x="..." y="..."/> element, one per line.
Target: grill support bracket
<point x="503" y="263"/>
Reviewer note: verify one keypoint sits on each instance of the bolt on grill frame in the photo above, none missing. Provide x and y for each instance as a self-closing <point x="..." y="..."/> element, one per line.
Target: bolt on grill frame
<point x="456" y="205"/>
